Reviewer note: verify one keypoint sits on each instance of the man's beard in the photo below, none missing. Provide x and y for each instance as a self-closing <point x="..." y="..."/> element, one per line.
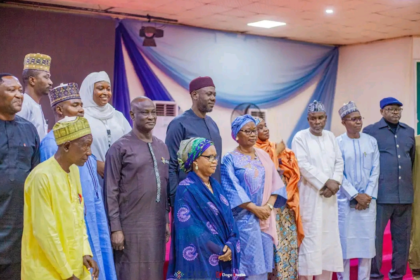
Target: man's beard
<point x="205" y="108"/>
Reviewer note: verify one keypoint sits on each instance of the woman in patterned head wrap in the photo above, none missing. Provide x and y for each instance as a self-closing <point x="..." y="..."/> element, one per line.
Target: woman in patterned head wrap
<point x="254" y="189"/>
<point x="205" y="241"/>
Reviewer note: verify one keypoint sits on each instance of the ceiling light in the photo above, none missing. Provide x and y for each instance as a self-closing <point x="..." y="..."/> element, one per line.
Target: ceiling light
<point x="329" y="11"/>
<point x="266" y="23"/>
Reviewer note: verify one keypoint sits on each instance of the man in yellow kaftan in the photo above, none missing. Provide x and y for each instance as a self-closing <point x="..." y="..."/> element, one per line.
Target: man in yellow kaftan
<point x="55" y="243"/>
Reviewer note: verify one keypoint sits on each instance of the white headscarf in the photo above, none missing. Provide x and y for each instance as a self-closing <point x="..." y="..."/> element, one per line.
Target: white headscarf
<point x="86" y="93"/>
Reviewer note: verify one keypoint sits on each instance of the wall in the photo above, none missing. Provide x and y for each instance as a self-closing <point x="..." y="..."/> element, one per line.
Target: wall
<point x="369" y="72"/>
<point x="416" y="48"/>
<point x="77" y="44"/>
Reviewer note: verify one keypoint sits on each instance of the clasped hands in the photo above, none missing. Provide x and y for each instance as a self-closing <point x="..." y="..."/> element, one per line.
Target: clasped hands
<point x="330" y="188"/>
<point x="363" y="201"/>
<point x="262" y="212"/>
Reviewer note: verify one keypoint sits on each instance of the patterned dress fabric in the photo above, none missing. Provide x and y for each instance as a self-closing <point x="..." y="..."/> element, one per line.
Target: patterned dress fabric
<point x="203" y="224"/>
<point x="286" y="253"/>
<point x="243" y="181"/>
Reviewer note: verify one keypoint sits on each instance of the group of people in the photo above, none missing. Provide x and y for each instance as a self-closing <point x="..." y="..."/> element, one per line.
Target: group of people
<point x="98" y="198"/>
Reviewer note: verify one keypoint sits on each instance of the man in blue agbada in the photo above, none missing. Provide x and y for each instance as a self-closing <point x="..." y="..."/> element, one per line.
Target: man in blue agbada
<point x="65" y="102"/>
<point x="205" y="239"/>
<point x="358" y="193"/>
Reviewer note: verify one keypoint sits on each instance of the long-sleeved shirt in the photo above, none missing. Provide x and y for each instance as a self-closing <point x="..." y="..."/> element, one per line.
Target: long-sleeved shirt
<point x="361" y="166"/>
<point x="95" y="215"/>
<point x="54" y="237"/>
<point x="361" y="173"/>
<point x="397" y="152"/>
<point x="19" y="154"/>
<point x="319" y="159"/>
<point x="186" y="126"/>
<point x="32" y="112"/>
<point x="136" y="176"/>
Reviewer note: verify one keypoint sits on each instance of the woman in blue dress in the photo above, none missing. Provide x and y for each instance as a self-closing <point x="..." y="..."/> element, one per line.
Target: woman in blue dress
<point x="254" y="189"/>
<point x="205" y="242"/>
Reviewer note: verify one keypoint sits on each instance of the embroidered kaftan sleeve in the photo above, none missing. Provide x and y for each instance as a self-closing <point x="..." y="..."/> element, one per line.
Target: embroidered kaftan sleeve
<point x="372" y="187"/>
<point x="231" y="184"/>
<point x="347" y="188"/>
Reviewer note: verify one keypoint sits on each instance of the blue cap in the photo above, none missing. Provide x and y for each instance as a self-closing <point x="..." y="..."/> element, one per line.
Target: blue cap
<point x="389" y="101"/>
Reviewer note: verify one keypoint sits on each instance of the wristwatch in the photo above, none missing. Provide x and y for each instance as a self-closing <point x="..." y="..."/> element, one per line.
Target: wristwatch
<point x="271" y="206"/>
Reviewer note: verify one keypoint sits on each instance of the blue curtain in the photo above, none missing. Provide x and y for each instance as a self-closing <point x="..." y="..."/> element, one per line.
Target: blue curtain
<point x="121" y="94"/>
<point x="324" y="92"/>
<point x="245" y="68"/>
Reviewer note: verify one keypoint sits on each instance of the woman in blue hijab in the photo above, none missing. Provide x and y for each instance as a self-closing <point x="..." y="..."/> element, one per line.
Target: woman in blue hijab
<point x="205" y="239"/>
<point x="253" y="188"/>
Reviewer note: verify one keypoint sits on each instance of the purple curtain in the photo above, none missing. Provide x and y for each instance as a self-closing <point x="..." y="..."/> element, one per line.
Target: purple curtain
<point x="121" y="95"/>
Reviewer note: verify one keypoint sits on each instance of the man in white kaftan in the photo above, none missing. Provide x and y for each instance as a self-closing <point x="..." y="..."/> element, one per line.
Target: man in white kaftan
<point x="37" y="81"/>
<point x="321" y="166"/>
<point x="358" y="193"/>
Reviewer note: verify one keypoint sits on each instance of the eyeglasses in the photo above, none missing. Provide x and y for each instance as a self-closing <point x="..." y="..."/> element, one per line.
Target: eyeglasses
<point x="355" y="119"/>
<point x="393" y="110"/>
<point x="249" y="132"/>
<point x="212" y="158"/>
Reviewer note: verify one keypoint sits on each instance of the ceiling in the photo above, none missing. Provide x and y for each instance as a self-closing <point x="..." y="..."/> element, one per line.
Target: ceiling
<point x="353" y="21"/>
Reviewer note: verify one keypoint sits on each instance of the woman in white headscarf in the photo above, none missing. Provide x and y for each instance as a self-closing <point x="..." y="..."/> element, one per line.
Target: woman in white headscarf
<point x="106" y="123"/>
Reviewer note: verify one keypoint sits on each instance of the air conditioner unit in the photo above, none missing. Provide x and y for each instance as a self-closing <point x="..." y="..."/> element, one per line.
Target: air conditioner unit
<point x="258" y="113"/>
<point x="166" y="111"/>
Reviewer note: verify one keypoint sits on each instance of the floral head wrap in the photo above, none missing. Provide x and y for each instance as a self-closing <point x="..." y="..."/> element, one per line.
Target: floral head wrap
<point x="190" y="150"/>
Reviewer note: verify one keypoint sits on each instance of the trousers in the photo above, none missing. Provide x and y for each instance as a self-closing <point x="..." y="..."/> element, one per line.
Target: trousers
<point x="400" y="217"/>
<point x="363" y="270"/>
<point x="326" y="275"/>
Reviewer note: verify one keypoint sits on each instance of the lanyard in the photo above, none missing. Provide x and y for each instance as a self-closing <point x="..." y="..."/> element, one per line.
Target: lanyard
<point x="108" y="133"/>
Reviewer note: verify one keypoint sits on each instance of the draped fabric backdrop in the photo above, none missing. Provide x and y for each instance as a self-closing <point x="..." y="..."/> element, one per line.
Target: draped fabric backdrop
<point x="245" y="68"/>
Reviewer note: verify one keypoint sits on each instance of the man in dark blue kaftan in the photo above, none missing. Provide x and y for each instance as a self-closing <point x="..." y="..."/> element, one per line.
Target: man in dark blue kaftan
<point x="193" y="123"/>
<point x="19" y="154"/>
